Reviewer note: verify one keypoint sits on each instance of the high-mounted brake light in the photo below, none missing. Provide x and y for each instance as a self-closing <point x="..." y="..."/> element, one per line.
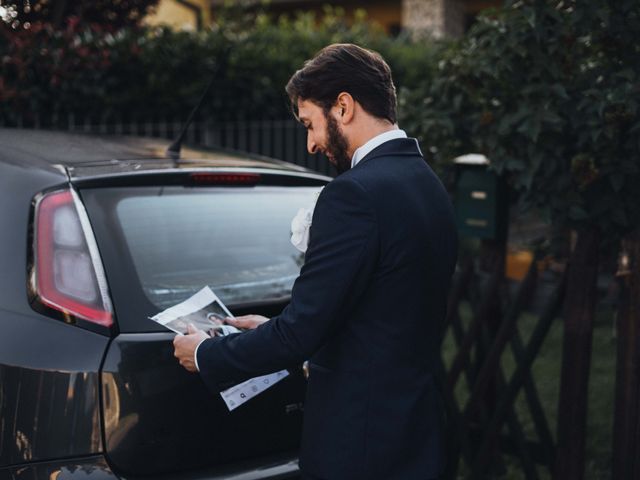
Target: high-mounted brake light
<point x="209" y="178"/>
<point x="69" y="276"/>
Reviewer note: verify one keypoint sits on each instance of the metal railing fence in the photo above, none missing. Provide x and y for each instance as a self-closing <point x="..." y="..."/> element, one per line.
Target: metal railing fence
<point x="279" y="139"/>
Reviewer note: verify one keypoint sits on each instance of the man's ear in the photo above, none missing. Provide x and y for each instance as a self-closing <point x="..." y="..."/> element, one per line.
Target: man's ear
<point x="345" y="106"/>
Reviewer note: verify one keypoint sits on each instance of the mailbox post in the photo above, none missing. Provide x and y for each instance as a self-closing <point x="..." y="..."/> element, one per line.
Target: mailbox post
<point x="481" y="205"/>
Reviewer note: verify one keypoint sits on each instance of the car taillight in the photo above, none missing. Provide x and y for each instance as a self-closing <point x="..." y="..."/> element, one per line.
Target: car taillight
<point x="68" y="275"/>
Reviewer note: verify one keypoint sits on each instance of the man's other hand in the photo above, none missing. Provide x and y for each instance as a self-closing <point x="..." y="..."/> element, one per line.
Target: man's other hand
<point x="185" y="347"/>
<point x="247" y="322"/>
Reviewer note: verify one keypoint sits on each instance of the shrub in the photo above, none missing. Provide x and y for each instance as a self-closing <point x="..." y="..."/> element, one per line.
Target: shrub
<point x="548" y="90"/>
<point x="157" y="71"/>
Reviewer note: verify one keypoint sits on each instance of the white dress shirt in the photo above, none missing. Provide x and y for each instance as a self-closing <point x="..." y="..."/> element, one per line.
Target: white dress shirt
<point x="376" y="141"/>
<point x="358" y="155"/>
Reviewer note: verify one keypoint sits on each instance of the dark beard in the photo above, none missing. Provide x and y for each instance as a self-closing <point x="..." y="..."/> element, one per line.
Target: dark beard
<point x="337" y="145"/>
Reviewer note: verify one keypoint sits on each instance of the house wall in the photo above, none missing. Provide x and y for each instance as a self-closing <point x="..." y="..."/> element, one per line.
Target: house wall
<point x="178" y="16"/>
<point x="436" y="18"/>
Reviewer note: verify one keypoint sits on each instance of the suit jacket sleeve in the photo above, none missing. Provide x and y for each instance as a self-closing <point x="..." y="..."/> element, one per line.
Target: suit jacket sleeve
<point x="338" y="264"/>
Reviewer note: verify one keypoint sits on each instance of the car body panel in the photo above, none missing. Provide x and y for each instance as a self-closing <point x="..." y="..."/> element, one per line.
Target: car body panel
<point x="144" y="391"/>
<point x="45" y="386"/>
<point x="49" y="389"/>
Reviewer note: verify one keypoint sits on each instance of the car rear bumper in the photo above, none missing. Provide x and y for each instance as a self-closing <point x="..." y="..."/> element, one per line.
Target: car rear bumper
<point x="85" y="468"/>
<point x="279" y="470"/>
<point x="96" y="468"/>
<point x="272" y="468"/>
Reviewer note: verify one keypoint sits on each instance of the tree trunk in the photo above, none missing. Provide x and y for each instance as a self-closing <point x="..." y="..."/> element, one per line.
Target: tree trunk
<point x="626" y="424"/>
<point x="576" y="357"/>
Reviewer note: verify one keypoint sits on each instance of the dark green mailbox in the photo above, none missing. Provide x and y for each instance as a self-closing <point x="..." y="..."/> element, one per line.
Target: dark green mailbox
<point x="481" y="199"/>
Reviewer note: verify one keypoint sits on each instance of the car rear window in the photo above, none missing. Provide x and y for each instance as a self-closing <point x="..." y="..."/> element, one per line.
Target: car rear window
<point x="178" y="239"/>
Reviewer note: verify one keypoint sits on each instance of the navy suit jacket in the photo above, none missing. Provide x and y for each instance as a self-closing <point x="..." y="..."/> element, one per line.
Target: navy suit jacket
<point x="367" y="312"/>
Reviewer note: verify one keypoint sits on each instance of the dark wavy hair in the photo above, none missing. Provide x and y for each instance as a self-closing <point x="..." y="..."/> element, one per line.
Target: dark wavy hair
<point x="344" y="67"/>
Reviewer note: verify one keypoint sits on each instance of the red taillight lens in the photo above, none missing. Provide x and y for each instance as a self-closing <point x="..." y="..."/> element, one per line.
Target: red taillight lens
<point x="68" y="271"/>
<point x="208" y="178"/>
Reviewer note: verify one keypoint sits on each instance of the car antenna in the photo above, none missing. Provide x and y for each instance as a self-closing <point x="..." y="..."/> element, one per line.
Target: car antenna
<point x="173" y="152"/>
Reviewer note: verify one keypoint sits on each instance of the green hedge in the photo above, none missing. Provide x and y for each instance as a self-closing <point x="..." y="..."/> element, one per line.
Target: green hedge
<point x="163" y="72"/>
<point x="549" y="90"/>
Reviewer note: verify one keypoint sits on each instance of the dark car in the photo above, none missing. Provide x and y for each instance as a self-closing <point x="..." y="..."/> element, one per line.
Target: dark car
<point x="96" y="235"/>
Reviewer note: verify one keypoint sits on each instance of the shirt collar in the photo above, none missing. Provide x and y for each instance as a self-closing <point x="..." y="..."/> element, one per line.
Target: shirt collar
<point x="376" y="141"/>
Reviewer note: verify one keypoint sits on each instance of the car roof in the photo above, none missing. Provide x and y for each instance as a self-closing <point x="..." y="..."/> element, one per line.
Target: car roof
<point x="88" y="155"/>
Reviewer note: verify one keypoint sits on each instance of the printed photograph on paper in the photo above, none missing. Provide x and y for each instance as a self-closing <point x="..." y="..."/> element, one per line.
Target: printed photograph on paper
<point x="204" y="311"/>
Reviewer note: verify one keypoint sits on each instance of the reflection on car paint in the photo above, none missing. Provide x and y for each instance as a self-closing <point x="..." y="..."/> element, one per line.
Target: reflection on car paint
<point x="91" y="468"/>
<point x="34" y="403"/>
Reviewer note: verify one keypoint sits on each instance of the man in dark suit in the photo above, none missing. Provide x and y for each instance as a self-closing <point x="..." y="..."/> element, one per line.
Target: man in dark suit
<point x="368" y="306"/>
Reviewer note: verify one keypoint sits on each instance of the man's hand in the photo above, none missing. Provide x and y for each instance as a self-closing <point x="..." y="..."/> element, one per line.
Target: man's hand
<point x="185" y="347"/>
<point x="247" y="322"/>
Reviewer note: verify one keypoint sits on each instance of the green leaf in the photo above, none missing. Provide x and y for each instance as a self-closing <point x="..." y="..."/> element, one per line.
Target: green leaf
<point x="620" y="217"/>
<point x="551" y="117"/>
<point x="531" y="128"/>
<point x="534" y="132"/>
<point x="530" y="16"/>
<point x="560" y="91"/>
<point x="595" y="134"/>
<point x="505" y="124"/>
<point x="630" y="166"/>
<point x="577" y="213"/>
<point x="617" y="181"/>
<point x="627" y="74"/>
<point x="516" y="164"/>
<point x="601" y="107"/>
